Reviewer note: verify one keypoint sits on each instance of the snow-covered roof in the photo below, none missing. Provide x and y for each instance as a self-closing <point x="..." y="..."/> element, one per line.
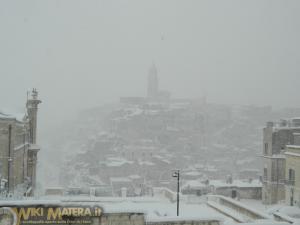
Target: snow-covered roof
<point x="158" y="209"/>
<point x="288" y="213"/>
<point x="293" y="150"/>
<point x="293" y="146"/>
<point x="293" y="154"/>
<point x="146" y="163"/>
<point x="285" y="128"/>
<point x="259" y="213"/>
<point x="235" y="183"/>
<point x="54" y="188"/>
<point x="291" y="211"/>
<point x="295" y="118"/>
<point x="193" y="173"/>
<point x="193" y="184"/>
<point x="7" y="114"/>
<point x="276" y="156"/>
<point x="120" y="179"/>
<point x="115" y="162"/>
<point x="134" y="176"/>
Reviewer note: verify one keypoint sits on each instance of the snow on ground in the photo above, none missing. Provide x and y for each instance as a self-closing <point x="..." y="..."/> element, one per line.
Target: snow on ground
<point x="256" y="204"/>
<point x="154" y="208"/>
<point x="287" y="212"/>
<point x="266" y="223"/>
<point x="157" y="208"/>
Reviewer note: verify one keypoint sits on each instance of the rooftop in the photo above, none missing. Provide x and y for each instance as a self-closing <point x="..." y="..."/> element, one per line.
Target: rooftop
<point x="235" y="183"/>
<point x="293" y="146"/>
<point x="4" y="114"/>
<point x="293" y="150"/>
<point x="156" y="209"/>
<point x="222" y="183"/>
<point x="275" y="156"/>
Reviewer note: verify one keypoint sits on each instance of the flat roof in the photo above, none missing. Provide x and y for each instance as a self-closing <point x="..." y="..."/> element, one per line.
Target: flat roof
<point x="155" y="209"/>
<point x="293" y="146"/>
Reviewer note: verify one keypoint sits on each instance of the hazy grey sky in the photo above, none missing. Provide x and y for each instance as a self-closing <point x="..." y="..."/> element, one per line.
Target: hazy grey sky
<point x="84" y="53"/>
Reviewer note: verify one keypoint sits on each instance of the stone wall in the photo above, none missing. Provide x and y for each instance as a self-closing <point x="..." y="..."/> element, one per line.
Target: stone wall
<point x="239" y="207"/>
<point x="122" y="219"/>
<point x="292" y="190"/>
<point x="242" y="192"/>
<point x="4" y="143"/>
<point x="186" y="222"/>
<point x="15" y="138"/>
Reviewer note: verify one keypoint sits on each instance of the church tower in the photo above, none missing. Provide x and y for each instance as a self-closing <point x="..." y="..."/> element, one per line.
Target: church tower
<point x="152" y="83"/>
<point x="32" y="109"/>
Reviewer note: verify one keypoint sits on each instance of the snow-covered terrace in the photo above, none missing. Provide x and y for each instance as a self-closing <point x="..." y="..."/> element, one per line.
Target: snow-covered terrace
<point x="155" y="209"/>
<point x="160" y="209"/>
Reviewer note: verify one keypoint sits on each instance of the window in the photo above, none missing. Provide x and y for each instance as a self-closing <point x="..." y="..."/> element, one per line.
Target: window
<point x="266" y="149"/>
<point x="265" y="173"/>
<point x="291" y="176"/>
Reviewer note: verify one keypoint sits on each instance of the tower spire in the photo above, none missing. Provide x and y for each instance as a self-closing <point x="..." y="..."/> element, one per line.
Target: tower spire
<point x="152" y="82"/>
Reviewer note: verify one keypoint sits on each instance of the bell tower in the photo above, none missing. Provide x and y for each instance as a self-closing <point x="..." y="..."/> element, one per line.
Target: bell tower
<point x="152" y="91"/>
<point x="32" y="109"/>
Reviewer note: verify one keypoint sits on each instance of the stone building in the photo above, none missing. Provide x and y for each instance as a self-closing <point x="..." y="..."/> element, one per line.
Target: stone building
<point x="18" y="150"/>
<point x="275" y="138"/>
<point x="292" y="173"/>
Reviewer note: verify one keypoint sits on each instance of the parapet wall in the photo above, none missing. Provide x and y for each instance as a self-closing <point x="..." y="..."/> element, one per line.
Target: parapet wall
<point x="238" y="207"/>
<point x="85" y="213"/>
<point x="186" y="222"/>
<point x="122" y="219"/>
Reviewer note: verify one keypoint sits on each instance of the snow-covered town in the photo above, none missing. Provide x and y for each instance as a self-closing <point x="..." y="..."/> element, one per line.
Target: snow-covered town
<point x="186" y="128"/>
<point x="233" y="168"/>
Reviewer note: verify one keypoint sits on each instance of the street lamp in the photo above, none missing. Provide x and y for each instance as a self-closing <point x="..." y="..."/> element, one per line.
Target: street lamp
<point x="177" y="174"/>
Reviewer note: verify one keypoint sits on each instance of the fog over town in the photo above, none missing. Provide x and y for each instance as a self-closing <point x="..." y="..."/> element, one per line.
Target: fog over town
<point x="139" y="104"/>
